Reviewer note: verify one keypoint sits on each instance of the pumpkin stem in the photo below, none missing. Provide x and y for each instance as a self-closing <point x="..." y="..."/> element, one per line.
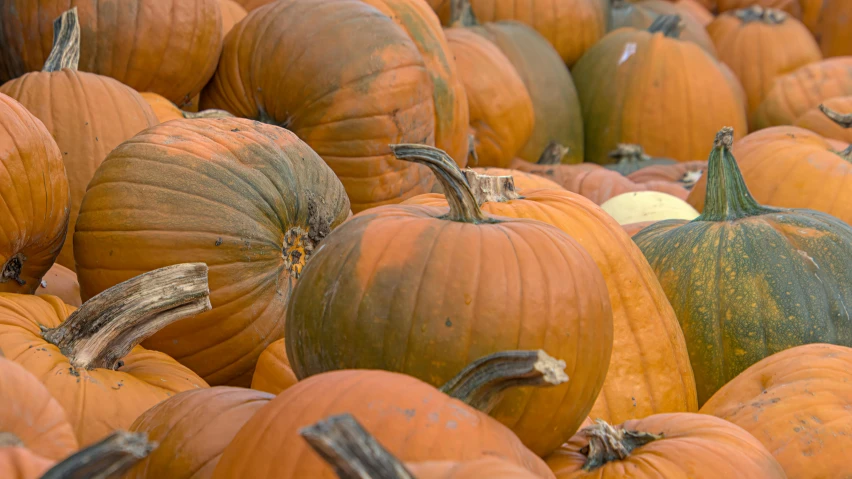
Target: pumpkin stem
<point x="844" y="120"/>
<point x="111" y="457"/>
<point x="212" y="113"/>
<point x="352" y="451"/>
<point x="668" y="25"/>
<point x="461" y="14"/>
<point x="106" y="327"/>
<point x="552" y="154"/>
<point x="727" y="197"/>
<point x="463" y="206"/>
<point x="756" y="13"/>
<point x="472" y="156"/>
<point x="627" y="153"/>
<point x="66" y="43"/>
<point x="12" y="269"/>
<point x="481" y="384"/>
<point x="607" y="443"/>
<point x="487" y="188"/>
<point x="7" y="439"/>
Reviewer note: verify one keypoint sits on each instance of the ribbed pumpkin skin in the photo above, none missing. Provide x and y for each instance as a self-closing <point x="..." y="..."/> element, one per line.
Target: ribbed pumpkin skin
<point x="32" y="415"/>
<point x="791" y="168"/>
<point x="232" y="13"/>
<point x="501" y="110"/>
<point x="554" y="98"/>
<point x="795" y="93"/>
<point x="523" y="181"/>
<point x="448" y="93"/>
<point x="96" y="401"/>
<point x="250" y="5"/>
<point x="759" y="51"/>
<point x="411" y="419"/>
<point x="790" y="6"/>
<point x="797" y="404"/>
<point x="691" y="447"/>
<point x="641" y="15"/>
<point x="649" y="370"/>
<point x="21" y="463"/>
<point x="479" y="469"/>
<point x="816" y="121"/>
<point x="836" y="37"/>
<point x="273" y="373"/>
<point x="355" y="84"/>
<point x="192" y="429"/>
<point x="647" y="100"/>
<point x="241" y="187"/>
<point x="163" y="109"/>
<point x="62" y="282"/>
<point x="166" y="46"/>
<point x="88" y="115"/>
<point x="392" y="290"/>
<point x="34" y="201"/>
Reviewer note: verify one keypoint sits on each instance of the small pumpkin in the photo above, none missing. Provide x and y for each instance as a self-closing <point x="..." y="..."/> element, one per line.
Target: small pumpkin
<point x="664" y="445"/>
<point x="62" y="282"/>
<point x="628" y="208"/>
<point x="796" y="402"/>
<point x="641" y="15"/>
<point x="273" y="373"/>
<point x="816" y="120"/>
<point x="835" y="37"/>
<point x="232" y="13"/>
<point x="746" y="280"/>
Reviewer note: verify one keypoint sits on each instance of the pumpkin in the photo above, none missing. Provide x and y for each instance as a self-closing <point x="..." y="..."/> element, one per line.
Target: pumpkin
<point x="62" y="282"/>
<point x="665" y="445"/>
<point x="735" y="84"/>
<point x="414" y="420"/>
<point x="633" y="228"/>
<point x="250" y="5"/>
<point x="747" y="281"/>
<point x="649" y="370"/>
<point x="420" y="281"/>
<point x="356" y="83"/>
<point x="522" y="181"/>
<point x="192" y="429"/>
<point x="698" y="10"/>
<point x="796" y="402"/>
<point x="628" y="208"/>
<point x="835" y="37"/>
<point x="273" y="373"/>
<point x="254" y="203"/>
<point x="641" y="95"/>
<point x="20" y="463"/>
<point x="35" y="204"/>
<point x="761" y="44"/>
<point x="501" y="110"/>
<point x="167" y="111"/>
<point x="87" y="114"/>
<point x="641" y="15"/>
<point x="793" y="94"/>
<point x="816" y="120"/>
<point x="232" y="13"/>
<point x="792" y="7"/>
<point x="166" y="46"/>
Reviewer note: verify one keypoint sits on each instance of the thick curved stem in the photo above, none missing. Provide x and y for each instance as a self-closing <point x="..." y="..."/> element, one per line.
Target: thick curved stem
<point x="607" y="444"/>
<point x="212" y="113"/>
<point x="844" y="120"/>
<point x="66" y="43"/>
<point x="109" y="325"/>
<point x="463" y="206"/>
<point x="668" y="25"/>
<point x="487" y="188"/>
<point x="352" y="451"/>
<point x="109" y="458"/>
<point x="552" y="154"/>
<point x="461" y="14"/>
<point x="757" y="13"/>
<point x="482" y="383"/>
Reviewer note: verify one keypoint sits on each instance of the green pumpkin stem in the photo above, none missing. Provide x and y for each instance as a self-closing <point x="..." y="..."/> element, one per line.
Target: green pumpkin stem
<point x="608" y="444"/>
<point x="106" y="327"/>
<point x="482" y="383"/>
<point x="727" y="197"/>
<point x="111" y="457"/>
<point x="487" y="188"/>
<point x="66" y="43"/>
<point x="668" y="25"/>
<point x="463" y="205"/>
<point x="552" y="154"/>
<point x="352" y="451"/>
<point x="212" y="113"/>
<point x="756" y="13"/>
<point x="461" y="14"/>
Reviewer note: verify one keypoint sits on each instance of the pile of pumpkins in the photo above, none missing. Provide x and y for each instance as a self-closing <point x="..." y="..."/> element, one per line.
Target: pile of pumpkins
<point x="434" y="239"/>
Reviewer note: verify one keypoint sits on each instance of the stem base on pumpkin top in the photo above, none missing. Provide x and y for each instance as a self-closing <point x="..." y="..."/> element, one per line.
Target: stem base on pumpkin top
<point x="608" y="444"/>
<point x="757" y="13"/>
<point x="109" y="458"/>
<point x="66" y="43"/>
<point x="487" y="188"/>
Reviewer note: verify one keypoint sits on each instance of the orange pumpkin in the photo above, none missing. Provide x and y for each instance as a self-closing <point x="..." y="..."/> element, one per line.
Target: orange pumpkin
<point x="792" y="7"/>
<point x="699" y="11"/>
<point x="273" y="373"/>
<point x="816" y="121"/>
<point x="250" y="5"/>
<point x="232" y="13"/>
<point x="192" y="429"/>
<point x="797" y="404"/>
<point x="167" y="111"/>
<point x="665" y="445"/>
<point x="356" y="83"/>
<point x="835" y="37"/>
<point x="641" y="15"/>
<point x="634" y="228"/>
<point x="62" y="282"/>
<point x="21" y="463"/>
<point x="254" y="203"/>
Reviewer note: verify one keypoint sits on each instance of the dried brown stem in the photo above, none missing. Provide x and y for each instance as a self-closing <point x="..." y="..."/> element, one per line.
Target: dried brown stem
<point x="108" y="458"/>
<point x="552" y="154"/>
<point x="66" y="43"/>
<point x="607" y="444"/>
<point x="487" y="188"/>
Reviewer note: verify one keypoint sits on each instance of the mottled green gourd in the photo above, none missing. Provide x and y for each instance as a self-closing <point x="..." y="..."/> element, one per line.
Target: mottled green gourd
<point x="746" y="280"/>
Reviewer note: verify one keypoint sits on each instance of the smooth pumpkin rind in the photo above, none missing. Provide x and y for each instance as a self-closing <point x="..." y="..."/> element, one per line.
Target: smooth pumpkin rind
<point x="273" y="373"/>
<point x="62" y="282"/>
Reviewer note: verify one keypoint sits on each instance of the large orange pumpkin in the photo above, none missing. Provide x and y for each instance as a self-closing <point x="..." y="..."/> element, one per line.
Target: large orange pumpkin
<point x="835" y="36"/>
<point x="62" y="282"/>
<point x="391" y="289"/>
<point x="166" y="46"/>
<point x="642" y="14"/>
<point x="249" y="199"/>
<point x="273" y="373"/>
<point x="232" y="13"/>
<point x="818" y="122"/>
<point x="797" y="404"/>
<point x="346" y="79"/>
<point x="649" y="371"/>
<point x="87" y="114"/>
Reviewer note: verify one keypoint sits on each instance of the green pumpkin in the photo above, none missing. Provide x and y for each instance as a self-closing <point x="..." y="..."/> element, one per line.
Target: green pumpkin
<point x="747" y="281"/>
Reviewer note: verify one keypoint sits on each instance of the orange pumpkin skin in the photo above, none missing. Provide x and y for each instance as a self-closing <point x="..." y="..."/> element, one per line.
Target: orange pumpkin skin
<point x="166" y="46"/>
<point x="634" y="228"/>
<point x="790" y="6"/>
<point x="501" y="110"/>
<point x="273" y="373"/>
<point x="691" y="447"/>
<point x="21" y="463"/>
<point x="232" y="13"/>
<point x="96" y="401"/>
<point x="356" y="84"/>
<point x="523" y="180"/>
<point x="797" y="404"/>
<point x="480" y="469"/>
<point x="816" y="121"/>
<point x="698" y="10"/>
<point x="411" y="419"/>
<point x="35" y="204"/>
<point x="760" y="48"/>
<point x="649" y="369"/>
<point x="791" y="167"/>
<point x="163" y="109"/>
<point x="62" y="282"/>
<point x="835" y="37"/>
<point x="192" y="429"/>
<point x="246" y="189"/>
<point x="250" y="5"/>
<point x="797" y="92"/>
